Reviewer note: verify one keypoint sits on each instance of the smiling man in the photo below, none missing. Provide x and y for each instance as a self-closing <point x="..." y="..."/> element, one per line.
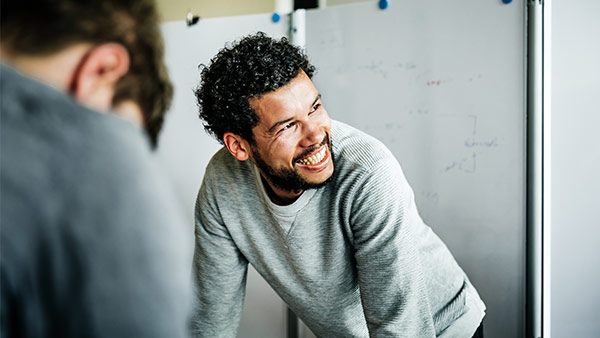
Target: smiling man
<point x="320" y="209"/>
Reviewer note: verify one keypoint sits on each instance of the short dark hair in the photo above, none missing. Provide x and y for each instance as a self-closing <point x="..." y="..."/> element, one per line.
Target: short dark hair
<point x="254" y="66"/>
<point x="44" y="27"/>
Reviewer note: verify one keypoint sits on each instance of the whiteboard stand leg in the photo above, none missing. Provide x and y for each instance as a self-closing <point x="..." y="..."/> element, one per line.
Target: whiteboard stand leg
<point x="292" y="324"/>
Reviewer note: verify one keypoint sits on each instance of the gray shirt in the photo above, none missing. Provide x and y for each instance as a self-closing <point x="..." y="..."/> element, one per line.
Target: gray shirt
<point x="90" y="240"/>
<point x="357" y="260"/>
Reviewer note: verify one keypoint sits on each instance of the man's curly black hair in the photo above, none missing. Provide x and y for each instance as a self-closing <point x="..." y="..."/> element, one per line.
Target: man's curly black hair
<point x="254" y="66"/>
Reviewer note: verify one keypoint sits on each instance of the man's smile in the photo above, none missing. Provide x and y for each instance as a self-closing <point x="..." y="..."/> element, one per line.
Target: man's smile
<point x="316" y="160"/>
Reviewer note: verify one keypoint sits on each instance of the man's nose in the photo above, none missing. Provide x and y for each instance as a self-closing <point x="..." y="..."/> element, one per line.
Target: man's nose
<point x="312" y="134"/>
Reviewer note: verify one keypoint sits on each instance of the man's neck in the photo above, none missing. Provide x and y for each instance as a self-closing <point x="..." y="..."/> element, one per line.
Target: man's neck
<point x="55" y="69"/>
<point x="279" y="196"/>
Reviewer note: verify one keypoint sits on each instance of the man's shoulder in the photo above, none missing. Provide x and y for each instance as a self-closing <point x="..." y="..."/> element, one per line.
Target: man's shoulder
<point x="353" y="148"/>
<point x="53" y="145"/>
<point x="69" y="170"/>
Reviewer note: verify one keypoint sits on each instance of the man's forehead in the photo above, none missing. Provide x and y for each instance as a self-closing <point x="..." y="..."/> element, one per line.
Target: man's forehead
<point x="269" y="104"/>
<point x="300" y="90"/>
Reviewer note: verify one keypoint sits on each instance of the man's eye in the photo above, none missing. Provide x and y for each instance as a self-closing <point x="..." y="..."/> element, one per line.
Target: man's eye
<point x="315" y="107"/>
<point x="288" y="126"/>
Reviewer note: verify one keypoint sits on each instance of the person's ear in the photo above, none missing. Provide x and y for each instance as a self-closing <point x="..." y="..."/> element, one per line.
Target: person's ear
<point x="95" y="79"/>
<point x="237" y="146"/>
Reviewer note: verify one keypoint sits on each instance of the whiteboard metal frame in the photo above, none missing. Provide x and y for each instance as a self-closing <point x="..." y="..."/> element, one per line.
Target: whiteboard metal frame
<point x="536" y="180"/>
<point x="547" y="226"/>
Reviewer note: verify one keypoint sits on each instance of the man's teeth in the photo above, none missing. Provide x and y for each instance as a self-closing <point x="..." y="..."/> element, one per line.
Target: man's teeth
<point x="314" y="159"/>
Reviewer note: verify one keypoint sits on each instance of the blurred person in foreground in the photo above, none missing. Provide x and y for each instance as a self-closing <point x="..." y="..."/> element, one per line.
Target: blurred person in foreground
<point x="320" y="209"/>
<point x="90" y="237"/>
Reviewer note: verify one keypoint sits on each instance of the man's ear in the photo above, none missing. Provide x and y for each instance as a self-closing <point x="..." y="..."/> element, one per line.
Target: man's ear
<point x="237" y="146"/>
<point x="94" y="80"/>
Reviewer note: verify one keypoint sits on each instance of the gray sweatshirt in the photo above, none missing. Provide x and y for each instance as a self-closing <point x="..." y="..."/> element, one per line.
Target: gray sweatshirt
<point x="91" y="237"/>
<point x="351" y="259"/>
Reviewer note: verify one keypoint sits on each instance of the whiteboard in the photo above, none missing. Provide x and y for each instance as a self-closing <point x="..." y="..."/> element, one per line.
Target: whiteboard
<point x="442" y="84"/>
<point x="185" y="148"/>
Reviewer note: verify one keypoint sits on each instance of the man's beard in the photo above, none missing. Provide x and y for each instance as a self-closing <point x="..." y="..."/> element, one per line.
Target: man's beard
<point x="289" y="179"/>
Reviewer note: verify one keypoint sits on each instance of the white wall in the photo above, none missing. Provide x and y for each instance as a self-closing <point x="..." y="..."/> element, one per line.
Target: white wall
<point x="575" y="257"/>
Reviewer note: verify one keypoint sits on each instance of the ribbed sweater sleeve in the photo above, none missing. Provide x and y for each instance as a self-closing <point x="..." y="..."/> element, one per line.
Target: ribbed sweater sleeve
<point x="393" y="292"/>
<point x="220" y="270"/>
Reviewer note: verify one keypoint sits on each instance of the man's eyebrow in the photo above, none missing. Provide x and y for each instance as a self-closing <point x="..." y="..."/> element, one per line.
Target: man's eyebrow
<point x="316" y="99"/>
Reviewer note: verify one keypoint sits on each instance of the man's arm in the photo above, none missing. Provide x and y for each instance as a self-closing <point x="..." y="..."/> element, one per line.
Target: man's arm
<point x="391" y="281"/>
<point x="220" y="272"/>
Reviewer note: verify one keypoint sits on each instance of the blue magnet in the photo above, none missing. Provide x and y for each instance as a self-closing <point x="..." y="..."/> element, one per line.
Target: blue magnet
<point x="276" y="17"/>
<point x="507" y="1"/>
<point x="383" y="4"/>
